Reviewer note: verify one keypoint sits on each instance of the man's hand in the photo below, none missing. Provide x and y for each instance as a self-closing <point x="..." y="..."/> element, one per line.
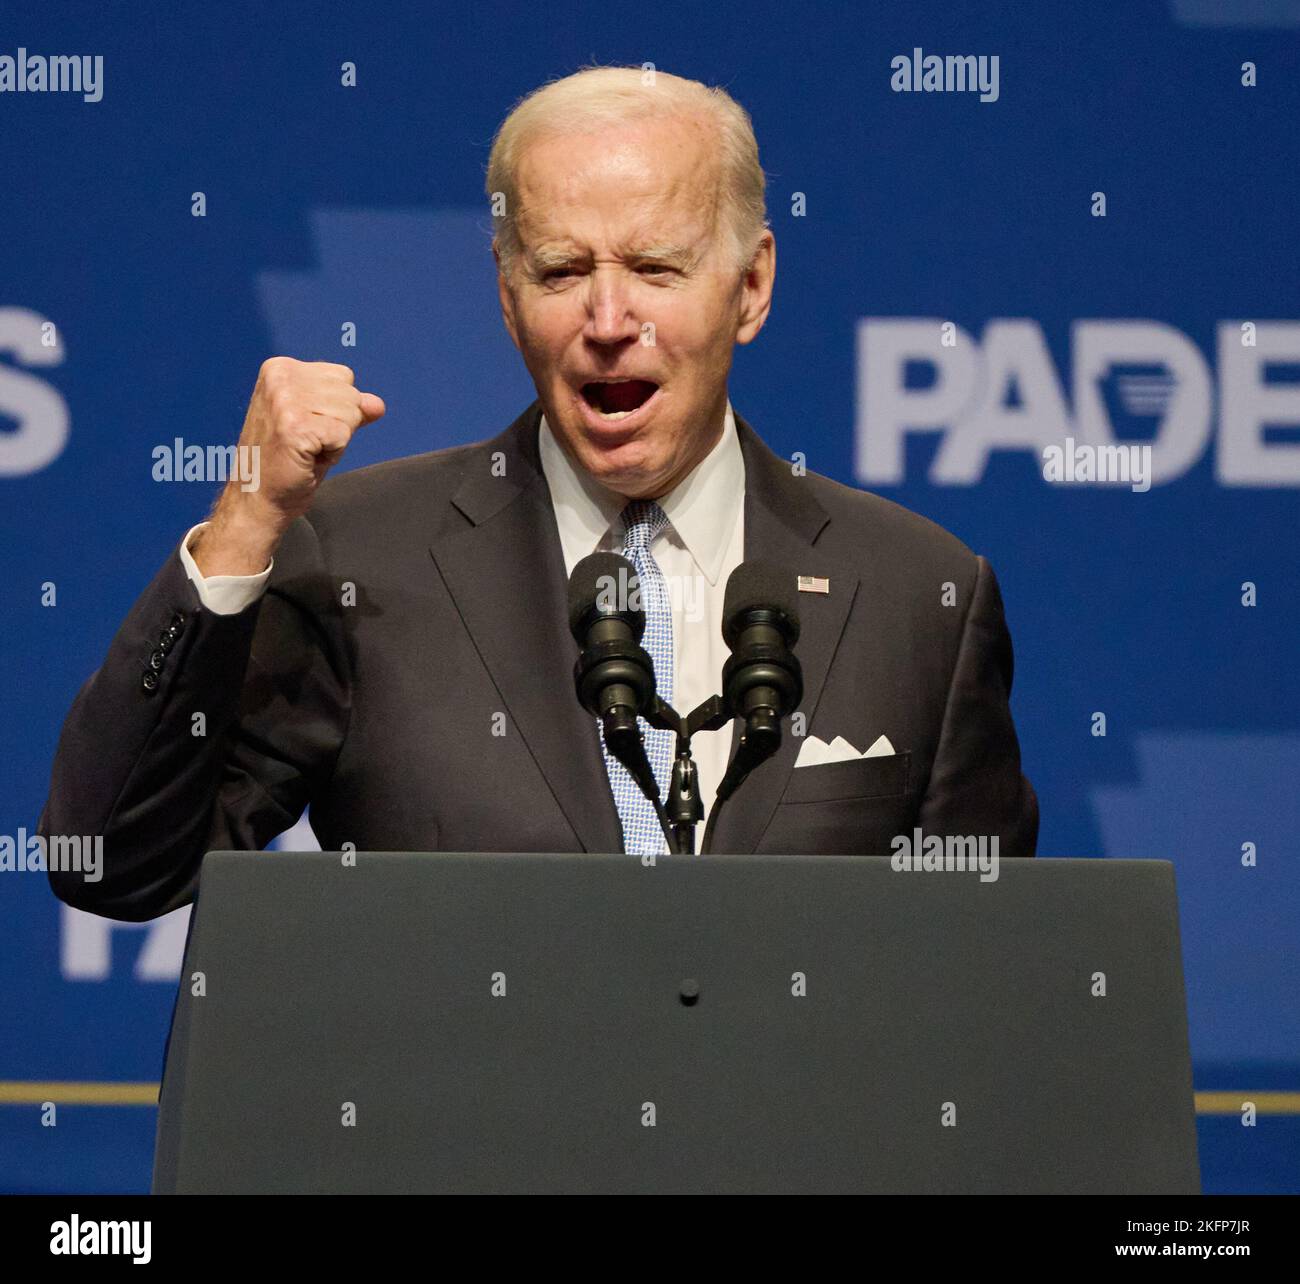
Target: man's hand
<point x="300" y="420"/>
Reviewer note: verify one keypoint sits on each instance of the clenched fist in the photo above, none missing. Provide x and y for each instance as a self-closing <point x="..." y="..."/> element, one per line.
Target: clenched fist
<point x="300" y="420"/>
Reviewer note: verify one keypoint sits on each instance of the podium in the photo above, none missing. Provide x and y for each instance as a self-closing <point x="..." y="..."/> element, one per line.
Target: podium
<point x="407" y="1022"/>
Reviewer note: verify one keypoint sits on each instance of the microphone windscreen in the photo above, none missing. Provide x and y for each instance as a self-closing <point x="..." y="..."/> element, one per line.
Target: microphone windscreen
<point x="761" y="586"/>
<point x="601" y="585"/>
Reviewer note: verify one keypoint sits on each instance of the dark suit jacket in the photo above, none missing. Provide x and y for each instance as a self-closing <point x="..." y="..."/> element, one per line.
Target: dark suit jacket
<point x="380" y="714"/>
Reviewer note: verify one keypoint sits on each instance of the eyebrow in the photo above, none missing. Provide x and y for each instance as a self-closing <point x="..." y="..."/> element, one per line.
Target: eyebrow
<point x="545" y="258"/>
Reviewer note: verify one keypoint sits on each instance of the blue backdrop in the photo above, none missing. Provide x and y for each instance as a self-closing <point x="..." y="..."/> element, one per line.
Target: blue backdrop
<point x="1111" y="238"/>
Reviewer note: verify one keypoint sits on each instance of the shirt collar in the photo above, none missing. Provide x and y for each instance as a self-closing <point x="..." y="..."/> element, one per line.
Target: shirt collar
<point x="702" y="509"/>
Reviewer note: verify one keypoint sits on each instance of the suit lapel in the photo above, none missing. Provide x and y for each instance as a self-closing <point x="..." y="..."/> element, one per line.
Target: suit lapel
<point x="505" y="573"/>
<point x="782" y="523"/>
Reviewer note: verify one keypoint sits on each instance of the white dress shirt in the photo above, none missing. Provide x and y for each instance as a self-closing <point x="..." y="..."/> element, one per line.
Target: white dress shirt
<point x="702" y="544"/>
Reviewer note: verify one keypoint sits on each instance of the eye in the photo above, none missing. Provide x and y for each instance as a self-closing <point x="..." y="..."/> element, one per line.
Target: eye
<point x="554" y="274"/>
<point x="656" y="268"/>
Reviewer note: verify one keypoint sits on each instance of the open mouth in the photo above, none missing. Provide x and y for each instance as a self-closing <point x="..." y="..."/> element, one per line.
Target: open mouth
<point x="619" y="399"/>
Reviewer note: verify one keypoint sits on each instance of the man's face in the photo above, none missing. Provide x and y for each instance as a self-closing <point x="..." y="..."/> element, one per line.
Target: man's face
<point x="625" y="300"/>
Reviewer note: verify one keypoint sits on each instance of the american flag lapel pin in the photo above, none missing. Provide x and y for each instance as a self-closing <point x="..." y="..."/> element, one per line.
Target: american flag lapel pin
<point x="814" y="584"/>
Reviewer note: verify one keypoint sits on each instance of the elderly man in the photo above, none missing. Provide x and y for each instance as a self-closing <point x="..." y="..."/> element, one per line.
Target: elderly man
<point x="391" y="647"/>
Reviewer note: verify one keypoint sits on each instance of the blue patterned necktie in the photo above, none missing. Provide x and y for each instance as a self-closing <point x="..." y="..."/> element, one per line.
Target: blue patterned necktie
<point x="642" y="520"/>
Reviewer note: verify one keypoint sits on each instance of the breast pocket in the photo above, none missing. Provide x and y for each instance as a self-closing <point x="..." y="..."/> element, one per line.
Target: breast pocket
<point x="849" y="808"/>
<point x="880" y="777"/>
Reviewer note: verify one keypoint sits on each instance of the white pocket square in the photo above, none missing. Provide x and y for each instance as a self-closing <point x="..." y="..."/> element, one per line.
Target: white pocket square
<point x="815" y="753"/>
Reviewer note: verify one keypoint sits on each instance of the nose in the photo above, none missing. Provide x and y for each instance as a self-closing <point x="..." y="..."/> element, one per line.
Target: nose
<point x="610" y="316"/>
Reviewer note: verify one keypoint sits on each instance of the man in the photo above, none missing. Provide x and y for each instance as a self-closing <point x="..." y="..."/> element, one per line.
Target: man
<point x="391" y="647"/>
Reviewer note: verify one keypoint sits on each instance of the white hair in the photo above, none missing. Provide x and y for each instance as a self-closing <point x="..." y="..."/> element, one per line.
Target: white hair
<point x="599" y="97"/>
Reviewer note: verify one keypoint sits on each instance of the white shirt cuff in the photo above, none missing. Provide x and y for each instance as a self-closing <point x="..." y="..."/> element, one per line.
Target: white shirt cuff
<point x="222" y="594"/>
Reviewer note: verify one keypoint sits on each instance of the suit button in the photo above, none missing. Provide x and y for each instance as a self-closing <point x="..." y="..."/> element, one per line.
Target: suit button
<point x="177" y="624"/>
<point x="149" y="682"/>
<point x="166" y="640"/>
<point x="157" y="660"/>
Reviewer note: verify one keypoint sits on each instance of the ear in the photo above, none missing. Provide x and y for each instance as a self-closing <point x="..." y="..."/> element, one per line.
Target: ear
<point x="756" y="289"/>
<point x="506" y="297"/>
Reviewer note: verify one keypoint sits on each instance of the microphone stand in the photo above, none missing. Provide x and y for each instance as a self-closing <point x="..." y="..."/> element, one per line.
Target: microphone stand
<point x="759" y="740"/>
<point x="685" y="808"/>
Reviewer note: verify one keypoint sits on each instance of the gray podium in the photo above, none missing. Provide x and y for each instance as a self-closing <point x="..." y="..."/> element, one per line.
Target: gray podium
<point x="532" y="1023"/>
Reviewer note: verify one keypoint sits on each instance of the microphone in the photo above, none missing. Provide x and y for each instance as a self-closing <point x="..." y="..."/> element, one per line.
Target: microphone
<point x="762" y="681"/>
<point x="614" y="676"/>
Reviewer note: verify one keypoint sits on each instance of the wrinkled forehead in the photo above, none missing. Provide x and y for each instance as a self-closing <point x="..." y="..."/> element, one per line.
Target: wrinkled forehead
<point x="654" y="181"/>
